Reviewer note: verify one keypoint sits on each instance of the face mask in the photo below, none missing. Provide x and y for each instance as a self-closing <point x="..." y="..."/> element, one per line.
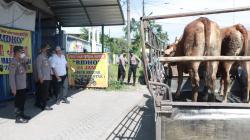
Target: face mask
<point x="22" y="55"/>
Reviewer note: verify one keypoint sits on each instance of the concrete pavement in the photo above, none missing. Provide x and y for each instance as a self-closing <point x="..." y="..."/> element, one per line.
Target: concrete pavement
<point x="91" y="115"/>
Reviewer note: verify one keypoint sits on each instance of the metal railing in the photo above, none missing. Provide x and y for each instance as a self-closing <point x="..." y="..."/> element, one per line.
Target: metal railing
<point x="152" y="49"/>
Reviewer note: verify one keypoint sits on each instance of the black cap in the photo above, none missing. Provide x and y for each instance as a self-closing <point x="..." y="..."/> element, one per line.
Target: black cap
<point x="17" y="49"/>
<point x="131" y="51"/>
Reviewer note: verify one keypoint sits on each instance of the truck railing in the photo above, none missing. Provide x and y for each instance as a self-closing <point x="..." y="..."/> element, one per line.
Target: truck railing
<point x="153" y="67"/>
<point x="165" y="108"/>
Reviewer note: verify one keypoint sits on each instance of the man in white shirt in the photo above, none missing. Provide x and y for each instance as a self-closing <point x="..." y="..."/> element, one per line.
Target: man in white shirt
<point x="52" y="83"/>
<point x="59" y="65"/>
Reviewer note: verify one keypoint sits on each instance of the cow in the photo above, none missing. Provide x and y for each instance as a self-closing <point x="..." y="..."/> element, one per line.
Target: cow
<point x="244" y="75"/>
<point x="234" y="43"/>
<point x="201" y="37"/>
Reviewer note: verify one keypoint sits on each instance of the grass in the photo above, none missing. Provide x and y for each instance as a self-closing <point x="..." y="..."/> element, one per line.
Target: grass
<point x="113" y="73"/>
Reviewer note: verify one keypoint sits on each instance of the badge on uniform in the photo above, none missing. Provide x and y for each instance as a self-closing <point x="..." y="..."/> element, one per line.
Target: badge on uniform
<point x="12" y="65"/>
<point x="21" y="70"/>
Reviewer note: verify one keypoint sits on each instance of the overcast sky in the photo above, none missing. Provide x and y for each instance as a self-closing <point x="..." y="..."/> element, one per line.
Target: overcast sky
<point x="175" y="27"/>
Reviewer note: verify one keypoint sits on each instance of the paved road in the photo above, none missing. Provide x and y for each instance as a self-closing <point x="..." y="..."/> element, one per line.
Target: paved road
<point x="91" y="115"/>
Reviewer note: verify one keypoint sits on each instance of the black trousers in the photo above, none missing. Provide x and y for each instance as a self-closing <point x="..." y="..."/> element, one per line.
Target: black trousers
<point x="52" y="87"/>
<point x="132" y="70"/>
<point x="121" y="73"/>
<point x="58" y="91"/>
<point x="42" y="93"/>
<point x="20" y="99"/>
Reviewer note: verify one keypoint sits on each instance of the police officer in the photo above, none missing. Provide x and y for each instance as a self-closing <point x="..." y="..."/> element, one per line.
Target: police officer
<point x="121" y="67"/>
<point x="17" y="79"/>
<point x="134" y="61"/>
<point x="43" y="68"/>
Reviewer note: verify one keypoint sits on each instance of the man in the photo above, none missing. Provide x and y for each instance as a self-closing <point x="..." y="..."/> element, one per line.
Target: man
<point x="134" y="61"/>
<point x="43" y="68"/>
<point x="17" y="79"/>
<point x="121" y="67"/>
<point x="52" y="83"/>
<point x="59" y="65"/>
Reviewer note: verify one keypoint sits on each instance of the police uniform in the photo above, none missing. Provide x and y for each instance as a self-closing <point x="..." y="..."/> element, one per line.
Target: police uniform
<point x="43" y="68"/>
<point x="132" y="68"/>
<point x="17" y="81"/>
<point x="121" y="68"/>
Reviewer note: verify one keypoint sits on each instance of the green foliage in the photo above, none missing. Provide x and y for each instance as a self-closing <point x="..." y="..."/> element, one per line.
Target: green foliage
<point x="113" y="83"/>
<point x="136" y="37"/>
<point x="84" y="33"/>
<point x="157" y="29"/>
<point x="116" y="45"/>
<point x="116" y="85"/>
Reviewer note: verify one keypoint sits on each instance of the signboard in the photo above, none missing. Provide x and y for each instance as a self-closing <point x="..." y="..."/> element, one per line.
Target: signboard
<point x="74" y="45"/>
<point x="8" y="39"/>
<point x="88" y="69"/>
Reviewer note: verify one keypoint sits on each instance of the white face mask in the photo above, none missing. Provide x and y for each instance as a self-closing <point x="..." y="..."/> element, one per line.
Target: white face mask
<point x="22" y="55"/>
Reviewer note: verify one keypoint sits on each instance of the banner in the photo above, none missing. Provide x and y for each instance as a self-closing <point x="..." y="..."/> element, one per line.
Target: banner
<point x="88" y="69"/>
<point x="8" y="39"/>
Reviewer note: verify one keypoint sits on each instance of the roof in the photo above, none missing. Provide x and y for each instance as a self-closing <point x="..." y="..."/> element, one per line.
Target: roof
<point x="75" y="13"/>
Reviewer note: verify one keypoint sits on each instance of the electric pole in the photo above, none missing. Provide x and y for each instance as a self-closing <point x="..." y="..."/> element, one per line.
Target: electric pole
<point x="143" y="8"/>
<point x="128" y="23"/>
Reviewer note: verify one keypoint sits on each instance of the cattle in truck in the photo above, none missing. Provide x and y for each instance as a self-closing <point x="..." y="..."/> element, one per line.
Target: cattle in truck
<point x="201" y="37"/>
<point x="234" y="43"/>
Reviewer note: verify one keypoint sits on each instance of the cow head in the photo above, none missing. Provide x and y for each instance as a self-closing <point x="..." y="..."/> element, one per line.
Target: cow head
<point x="171" y="49"/>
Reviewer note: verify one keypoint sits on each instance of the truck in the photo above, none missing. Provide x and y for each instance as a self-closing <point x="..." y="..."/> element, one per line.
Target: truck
<point x="183" y="119"/>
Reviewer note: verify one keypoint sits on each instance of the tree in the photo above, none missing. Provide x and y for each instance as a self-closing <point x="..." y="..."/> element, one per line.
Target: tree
<point x="136" y="37"/>
<point x="157" y="29"/>
<point x="84" y="34"/>
<point x="115" y="45"/>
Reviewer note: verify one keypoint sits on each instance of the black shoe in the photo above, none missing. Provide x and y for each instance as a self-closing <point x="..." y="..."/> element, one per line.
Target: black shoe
<point x="21" y="120"/>
<point x="58" y="102"/>
<point x="39" y="106"/>
<point x="47" y="108"/>
<point x="25" y="116"/>
<point x="66" y="101"/>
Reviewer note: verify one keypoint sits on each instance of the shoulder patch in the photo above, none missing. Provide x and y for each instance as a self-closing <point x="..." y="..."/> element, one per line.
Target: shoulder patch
<point x="12" y="65"/>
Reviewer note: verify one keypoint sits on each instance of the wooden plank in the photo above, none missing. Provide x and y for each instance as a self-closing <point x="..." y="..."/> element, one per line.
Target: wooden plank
<point x="204" y="58"/>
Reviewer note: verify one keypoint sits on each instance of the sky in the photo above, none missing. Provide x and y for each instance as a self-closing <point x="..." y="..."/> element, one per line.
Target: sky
<point x="175" y="26"/>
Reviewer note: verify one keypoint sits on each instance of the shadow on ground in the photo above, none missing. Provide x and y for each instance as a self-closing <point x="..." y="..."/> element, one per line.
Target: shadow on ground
<point x="138" y="124"/>
<point x="7" y="107"/>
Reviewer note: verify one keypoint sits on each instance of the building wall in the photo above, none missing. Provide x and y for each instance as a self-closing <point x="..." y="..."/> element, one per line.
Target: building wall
<point x="40" y="36"/>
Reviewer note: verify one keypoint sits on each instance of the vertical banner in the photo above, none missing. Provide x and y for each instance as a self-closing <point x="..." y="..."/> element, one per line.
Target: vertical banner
<point x="8" y="39"/>
<point x="88" y="69"/>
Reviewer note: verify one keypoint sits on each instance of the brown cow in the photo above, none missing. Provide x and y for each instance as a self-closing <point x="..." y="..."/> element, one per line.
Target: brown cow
<point x="245" y="75"/>
<point x="234" y="43"/>
<point x="201" y="37"/>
